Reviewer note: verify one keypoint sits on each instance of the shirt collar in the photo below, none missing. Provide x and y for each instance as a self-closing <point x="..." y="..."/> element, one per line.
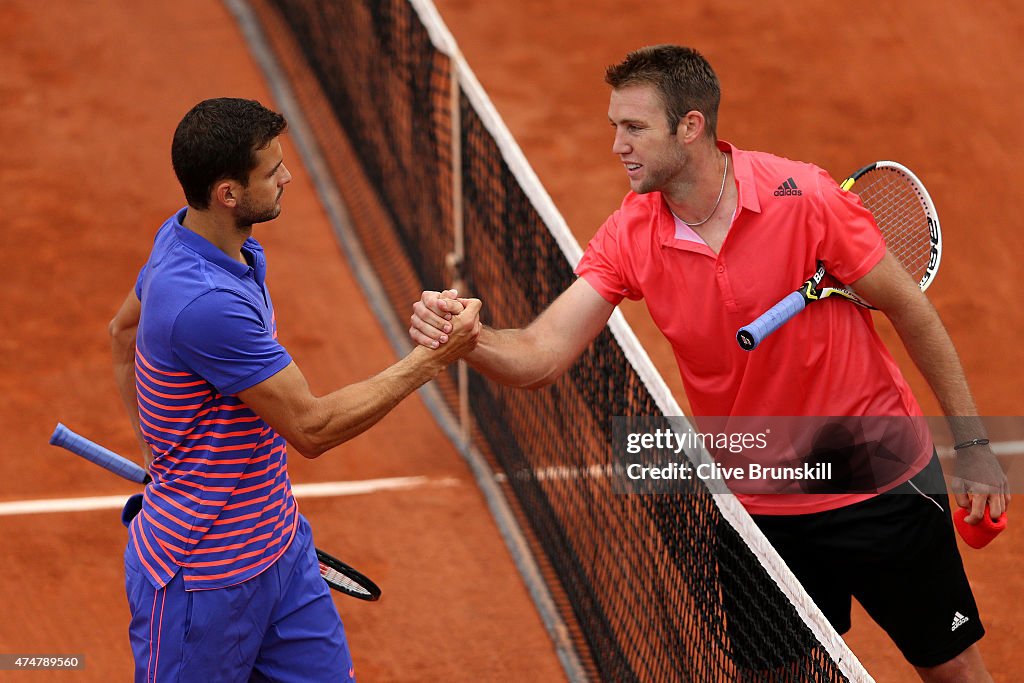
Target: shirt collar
<point x="746" y="189"/>
<point x="746" y="186"/>
<point x="211" y="253"/>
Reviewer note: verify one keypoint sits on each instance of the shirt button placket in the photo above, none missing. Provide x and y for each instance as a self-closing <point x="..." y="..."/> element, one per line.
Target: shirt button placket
<point x="724" y="287"/>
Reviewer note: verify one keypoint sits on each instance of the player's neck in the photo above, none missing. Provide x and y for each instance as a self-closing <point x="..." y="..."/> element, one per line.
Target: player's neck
<point x="220" y="230"/>
<point x="707" y="203"/>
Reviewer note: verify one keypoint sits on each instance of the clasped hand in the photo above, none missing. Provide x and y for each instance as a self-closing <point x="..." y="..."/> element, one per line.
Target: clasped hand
<point x="436" y="317"/>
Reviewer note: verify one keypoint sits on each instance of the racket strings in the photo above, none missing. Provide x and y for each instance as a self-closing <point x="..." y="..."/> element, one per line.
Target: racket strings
<point x="333" y="576"/>
<point x="900" y="212"/>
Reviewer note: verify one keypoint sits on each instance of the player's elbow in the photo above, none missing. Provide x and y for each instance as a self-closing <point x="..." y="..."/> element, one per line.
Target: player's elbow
<point x="310" y="445"/>
<point x="309" y="436"/>
<point x="308" y="448"/>
<point x="121" y="335"/>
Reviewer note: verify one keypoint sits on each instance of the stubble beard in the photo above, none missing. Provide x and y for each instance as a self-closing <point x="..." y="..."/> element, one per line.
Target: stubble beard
<point x="660" y="177"/>
<point x="248" y="214"/>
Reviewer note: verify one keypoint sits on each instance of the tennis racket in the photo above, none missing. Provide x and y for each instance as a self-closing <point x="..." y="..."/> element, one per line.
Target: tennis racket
<point x="907" y="218"/>
<point x="336" y="573"/>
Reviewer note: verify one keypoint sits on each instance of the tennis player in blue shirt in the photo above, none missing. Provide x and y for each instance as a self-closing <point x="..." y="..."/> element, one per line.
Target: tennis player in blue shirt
<point x="220" y="569"/>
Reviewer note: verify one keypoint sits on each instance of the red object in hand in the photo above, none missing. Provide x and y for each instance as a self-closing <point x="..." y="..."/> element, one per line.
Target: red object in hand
<point x="978" y="535"/>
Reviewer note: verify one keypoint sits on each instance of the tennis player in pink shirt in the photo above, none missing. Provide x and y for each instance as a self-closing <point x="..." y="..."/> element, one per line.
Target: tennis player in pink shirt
<point x="711" y="236"/>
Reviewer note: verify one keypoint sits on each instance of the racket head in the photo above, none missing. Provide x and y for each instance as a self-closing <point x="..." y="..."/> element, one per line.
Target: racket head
<point x="905" y="214"/>
<point x="344" y="578"/>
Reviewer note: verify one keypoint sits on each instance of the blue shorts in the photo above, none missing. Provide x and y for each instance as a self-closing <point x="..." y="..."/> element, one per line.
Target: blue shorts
<point x="279" y="626"/>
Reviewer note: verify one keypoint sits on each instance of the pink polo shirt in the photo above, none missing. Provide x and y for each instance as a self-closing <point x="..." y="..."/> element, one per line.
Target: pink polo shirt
<point x="828" y="360"/>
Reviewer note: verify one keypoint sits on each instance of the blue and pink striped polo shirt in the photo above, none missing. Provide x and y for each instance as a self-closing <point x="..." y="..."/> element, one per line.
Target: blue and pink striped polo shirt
<point x="220" y="508"/>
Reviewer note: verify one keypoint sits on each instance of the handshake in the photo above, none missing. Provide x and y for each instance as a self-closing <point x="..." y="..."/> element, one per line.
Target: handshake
<point x="446" y="323"/>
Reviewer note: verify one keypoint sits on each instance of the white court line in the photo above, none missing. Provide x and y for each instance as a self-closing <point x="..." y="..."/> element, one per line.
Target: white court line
<point x="321" y="490"/>
<point x="1007" y="447"/>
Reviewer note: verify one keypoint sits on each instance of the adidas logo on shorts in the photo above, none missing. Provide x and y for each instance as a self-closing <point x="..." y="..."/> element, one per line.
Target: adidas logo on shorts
<point x="788" y="189"/>
<point x="958" y="621"/>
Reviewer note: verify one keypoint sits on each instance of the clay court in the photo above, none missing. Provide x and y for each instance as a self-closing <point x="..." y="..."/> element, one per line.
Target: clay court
<point x="90" y="97"/>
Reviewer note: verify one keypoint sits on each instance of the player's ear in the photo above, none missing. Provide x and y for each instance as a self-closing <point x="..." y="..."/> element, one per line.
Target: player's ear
<point x="691" y="126"/>
<point x="226" y="193"/>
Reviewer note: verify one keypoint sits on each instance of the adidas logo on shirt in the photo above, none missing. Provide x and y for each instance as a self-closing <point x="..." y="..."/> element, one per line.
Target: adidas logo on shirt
<point x="788" y="189"/>
<point x="958" y="621"/>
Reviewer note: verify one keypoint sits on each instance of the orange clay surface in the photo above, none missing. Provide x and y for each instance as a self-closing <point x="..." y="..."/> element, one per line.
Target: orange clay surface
<point x="90" y="95"/>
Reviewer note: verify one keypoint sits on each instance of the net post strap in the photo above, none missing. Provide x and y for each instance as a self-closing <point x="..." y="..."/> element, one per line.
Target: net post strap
<point x="458" y="253"/>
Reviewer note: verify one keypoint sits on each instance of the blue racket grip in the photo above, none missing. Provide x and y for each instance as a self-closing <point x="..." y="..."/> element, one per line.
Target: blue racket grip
<point x="772" y="319"/>
<point x="96" y="454"/>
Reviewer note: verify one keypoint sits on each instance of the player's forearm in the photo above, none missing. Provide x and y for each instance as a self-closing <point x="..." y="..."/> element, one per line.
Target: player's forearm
<point x="980" y="480"/>
<point x="516" y="357"/>
<point x="314" y="425"/>
<point x="344" y="414"/>
<point x="530" y="357"/>
<point x="932" y="350"/>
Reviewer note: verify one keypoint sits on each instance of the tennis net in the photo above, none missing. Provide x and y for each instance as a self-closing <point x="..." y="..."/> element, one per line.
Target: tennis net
<point x="647" y="587"/>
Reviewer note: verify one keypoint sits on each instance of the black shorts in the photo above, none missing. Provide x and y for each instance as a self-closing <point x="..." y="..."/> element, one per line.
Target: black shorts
<point x="897" y="554"/>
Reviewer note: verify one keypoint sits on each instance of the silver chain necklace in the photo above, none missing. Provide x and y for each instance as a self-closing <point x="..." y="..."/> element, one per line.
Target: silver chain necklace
<point x="721" y="192"/>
